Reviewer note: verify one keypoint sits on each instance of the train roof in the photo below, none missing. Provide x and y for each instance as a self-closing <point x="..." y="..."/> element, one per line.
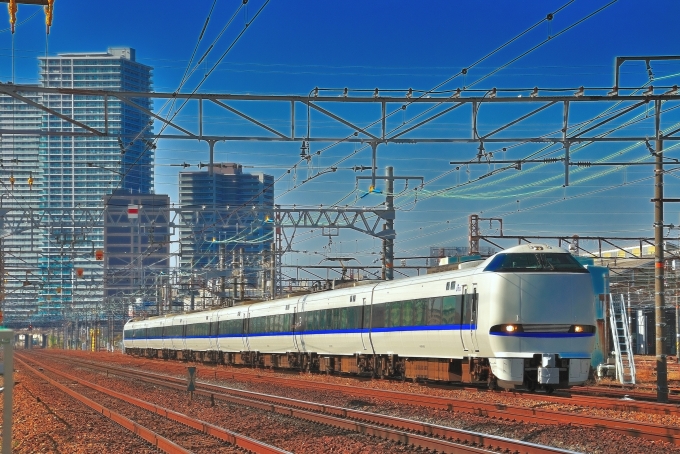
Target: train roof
<point x="534" y="247"/>
<point x="468" y="268"/>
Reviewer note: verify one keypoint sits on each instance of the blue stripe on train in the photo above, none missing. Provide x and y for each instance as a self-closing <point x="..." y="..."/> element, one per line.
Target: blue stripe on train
<point x="383" y="330"/>
<point x="330" y="331"/>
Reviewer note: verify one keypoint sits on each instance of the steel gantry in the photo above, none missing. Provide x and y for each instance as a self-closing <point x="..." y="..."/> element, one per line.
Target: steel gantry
<point x="77" y="242"/>
<point x="559" y="107"/>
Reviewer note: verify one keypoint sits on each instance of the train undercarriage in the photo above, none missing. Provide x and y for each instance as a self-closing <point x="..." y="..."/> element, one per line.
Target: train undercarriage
<point x="466" y="370"/>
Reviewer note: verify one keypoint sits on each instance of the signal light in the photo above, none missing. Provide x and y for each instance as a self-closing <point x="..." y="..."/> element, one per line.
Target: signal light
<point x="99" y="254"/>
<point x="79" y="272"/>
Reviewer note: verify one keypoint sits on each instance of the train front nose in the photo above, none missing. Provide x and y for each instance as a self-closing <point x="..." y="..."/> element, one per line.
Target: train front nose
<point x="548" y="337"/>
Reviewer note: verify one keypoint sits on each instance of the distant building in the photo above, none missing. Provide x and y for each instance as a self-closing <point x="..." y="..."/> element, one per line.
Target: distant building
<point x="136" y="253"/>
<point x="57" y="175"/>
<point x="219" y="211"/>
<point x="440" y="252"/>
<point x="19" y="165"/>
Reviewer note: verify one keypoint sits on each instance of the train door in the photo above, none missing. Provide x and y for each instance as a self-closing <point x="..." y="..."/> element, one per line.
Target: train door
<point x="365" y="323"/>
<point x="162" y="333"/>
<point x="146" y="338"/>
<point x="294" y="328"/>
<point x="184" y="334"/>
<point x="212" y="332"/>
<point x="299" y="325"/>
<point x="245" y="330"/>
<point x="464" y="303"/>
<point x="216" y="327"/>
<point x="474" y="298"/>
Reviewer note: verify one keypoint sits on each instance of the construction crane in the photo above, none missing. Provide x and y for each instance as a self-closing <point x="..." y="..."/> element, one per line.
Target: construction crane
<point x="13" y="8"/>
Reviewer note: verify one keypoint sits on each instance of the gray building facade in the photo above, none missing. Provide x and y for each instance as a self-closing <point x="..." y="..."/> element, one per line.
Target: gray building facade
<point x="218" y="212"/>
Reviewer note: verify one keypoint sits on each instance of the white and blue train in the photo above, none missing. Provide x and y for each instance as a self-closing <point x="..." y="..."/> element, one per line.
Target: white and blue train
<point x="523" y="318"/>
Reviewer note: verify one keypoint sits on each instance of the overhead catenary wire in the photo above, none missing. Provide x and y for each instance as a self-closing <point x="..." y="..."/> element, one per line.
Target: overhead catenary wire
<point x="462" y="72"/>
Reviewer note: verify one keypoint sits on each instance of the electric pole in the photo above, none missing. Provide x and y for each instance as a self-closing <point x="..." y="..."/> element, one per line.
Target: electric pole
<point x="388" y="234"/>
<point x="659" y="287"/>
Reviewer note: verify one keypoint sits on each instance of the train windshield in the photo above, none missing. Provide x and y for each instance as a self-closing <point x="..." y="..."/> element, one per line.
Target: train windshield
<point x="535" y="262"/>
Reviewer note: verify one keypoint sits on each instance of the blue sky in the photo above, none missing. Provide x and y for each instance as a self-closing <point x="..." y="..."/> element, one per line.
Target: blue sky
<point x="294" y="46"/>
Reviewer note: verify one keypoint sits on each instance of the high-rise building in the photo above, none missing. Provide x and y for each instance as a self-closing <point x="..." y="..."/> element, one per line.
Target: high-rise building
<point x="71" y="175"/>
<point x="79" y="171"/>
<point x="226" y="209"/>
<point x="136" y="252"/>
<point x="20" y="189"/>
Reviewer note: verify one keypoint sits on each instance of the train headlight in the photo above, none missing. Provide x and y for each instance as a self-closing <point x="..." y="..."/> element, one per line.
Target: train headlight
<point x="507" y="329"/>
<point x="582" y="329"/>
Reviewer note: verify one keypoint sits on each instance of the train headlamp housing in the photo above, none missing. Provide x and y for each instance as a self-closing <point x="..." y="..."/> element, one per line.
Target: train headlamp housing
<point x="507" y="329"/>
<point x="581" y="329"/>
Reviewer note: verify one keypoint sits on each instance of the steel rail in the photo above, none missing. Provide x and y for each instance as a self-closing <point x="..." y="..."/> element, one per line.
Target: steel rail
<point x="630" y="428"/>
<point x="150" y="436"/>
<point x="228" y="436"/>
<point x="608" y="403"/>
<point x="650" y="395"/>
<point x="378" y="425"/>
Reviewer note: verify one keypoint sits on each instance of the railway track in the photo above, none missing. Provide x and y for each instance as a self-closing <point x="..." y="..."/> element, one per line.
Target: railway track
<point x="415" y="433"/>
<point x="647" y="396"/>
<point x="171" y="423"/>
<point x="639" y="429"/>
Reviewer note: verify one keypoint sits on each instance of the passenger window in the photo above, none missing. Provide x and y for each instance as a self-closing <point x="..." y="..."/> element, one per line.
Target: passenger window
<point x="434" y="316"/>
<point x="447" y="286"/>
<point x="419" y="312"/>
<point x="367" y="316"/>
<point x="378" y="317"/>
<point x="394" y="316"/>
<point x="449" y="310"/>
<point x="407" y="313"/>
<point x="343" y="318"/>
<point x="351" y="318"/>
<point x="322" y="320"/>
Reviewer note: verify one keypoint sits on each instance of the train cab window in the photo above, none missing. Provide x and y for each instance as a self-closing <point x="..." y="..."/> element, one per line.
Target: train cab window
<point x="535" y="262"/>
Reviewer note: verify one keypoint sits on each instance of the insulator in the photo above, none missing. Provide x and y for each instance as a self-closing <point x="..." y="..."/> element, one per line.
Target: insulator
<point x="583" y="163"/>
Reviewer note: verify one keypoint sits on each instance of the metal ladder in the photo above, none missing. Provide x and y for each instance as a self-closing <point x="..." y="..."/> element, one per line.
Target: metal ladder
<point x="625" y="366"/>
